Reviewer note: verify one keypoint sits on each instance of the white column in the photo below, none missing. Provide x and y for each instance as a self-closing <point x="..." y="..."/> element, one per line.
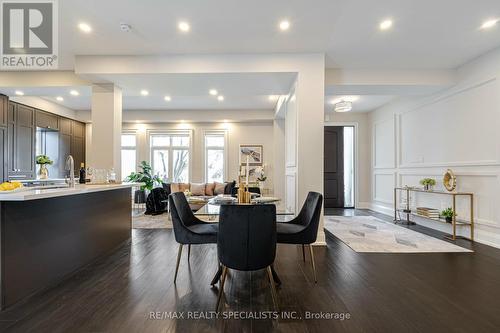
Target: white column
<point x="106" y="115"/>
<point x="310" y="94"/>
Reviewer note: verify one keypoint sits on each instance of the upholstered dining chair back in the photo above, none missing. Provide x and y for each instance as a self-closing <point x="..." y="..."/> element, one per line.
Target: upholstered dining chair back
<point x="246" y="240"/>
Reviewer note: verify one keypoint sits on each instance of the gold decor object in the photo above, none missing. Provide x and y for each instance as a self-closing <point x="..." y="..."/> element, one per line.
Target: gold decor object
<point x="244" y="196"/>
<point x="450" y="180"/>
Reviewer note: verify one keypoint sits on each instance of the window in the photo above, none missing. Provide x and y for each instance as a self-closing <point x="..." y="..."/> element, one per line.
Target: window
<point x="128" y="154"/>
<point x="215" y="156"/>
<point x="170" y="156"/>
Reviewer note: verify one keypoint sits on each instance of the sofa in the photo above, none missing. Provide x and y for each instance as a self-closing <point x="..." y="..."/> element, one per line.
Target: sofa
<point x="201" y="189"/>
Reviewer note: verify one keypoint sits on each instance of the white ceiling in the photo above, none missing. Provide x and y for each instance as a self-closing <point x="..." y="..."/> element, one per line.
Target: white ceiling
<point x="426" y="33"/>
<point x="363" y="103"/>
<point x="242" y="91"/>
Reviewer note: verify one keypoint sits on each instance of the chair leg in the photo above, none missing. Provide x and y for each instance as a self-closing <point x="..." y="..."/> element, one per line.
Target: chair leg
<point x="179" y="253"/>
<point x="313" y="263"/>
<point x="189" y="252"/>
<point x="273" y="288"/>
<point x="303" y="252"/>
<point x="221" y="290"/>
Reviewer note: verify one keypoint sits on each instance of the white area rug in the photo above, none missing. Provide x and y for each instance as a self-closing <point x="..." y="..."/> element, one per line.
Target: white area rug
<point x="142" y="221"/>
<point x="369" y="234"/>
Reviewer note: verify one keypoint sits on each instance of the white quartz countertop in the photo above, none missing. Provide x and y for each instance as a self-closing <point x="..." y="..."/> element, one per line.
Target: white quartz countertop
<point x="40" y="193"/>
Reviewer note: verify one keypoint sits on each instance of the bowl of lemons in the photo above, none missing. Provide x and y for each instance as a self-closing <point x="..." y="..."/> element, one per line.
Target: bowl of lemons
<point x="9" y="187"/>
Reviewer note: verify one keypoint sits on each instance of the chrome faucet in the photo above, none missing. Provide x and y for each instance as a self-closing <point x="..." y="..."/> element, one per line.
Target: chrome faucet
<point x="70" y="166"/>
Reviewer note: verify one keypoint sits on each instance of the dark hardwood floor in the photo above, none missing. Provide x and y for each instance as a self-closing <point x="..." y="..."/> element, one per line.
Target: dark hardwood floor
<point x="438" y="292"/>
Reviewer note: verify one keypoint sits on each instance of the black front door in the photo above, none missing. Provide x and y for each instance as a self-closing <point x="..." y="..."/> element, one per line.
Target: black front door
<point x="334" y="167"/>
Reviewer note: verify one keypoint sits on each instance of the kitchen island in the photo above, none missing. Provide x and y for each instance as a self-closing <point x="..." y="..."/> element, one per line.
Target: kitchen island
<point x="49" y="234"/>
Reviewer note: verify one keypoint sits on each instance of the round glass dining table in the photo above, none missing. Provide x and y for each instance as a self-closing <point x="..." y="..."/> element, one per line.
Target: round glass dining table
<point x="211" y="212"/>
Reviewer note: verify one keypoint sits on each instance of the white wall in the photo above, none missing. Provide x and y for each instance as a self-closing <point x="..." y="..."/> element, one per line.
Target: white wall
<point x="237" y="133"/>
<point x="421" y="137"/>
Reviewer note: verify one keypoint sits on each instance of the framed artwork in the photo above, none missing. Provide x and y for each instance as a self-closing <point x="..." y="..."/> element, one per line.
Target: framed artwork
<point x="255" y="153"/>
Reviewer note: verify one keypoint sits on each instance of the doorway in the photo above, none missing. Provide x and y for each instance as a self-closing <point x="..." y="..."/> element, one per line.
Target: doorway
<point x="339" y="167"/>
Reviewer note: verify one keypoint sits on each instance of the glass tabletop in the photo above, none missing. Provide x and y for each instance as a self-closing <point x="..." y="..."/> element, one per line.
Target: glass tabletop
<point x="213" y="210"/>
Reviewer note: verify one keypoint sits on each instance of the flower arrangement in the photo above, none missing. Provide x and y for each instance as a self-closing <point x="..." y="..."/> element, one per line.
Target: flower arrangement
<point x="428" y="183"/>
<point x="43" y="160"/>
<point x="261" y="174"/>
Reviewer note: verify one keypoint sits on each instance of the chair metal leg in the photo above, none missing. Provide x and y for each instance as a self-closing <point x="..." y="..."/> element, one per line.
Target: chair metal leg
<point x="189" y="252"/>
<point x="303" y="252"/>
<point x="179" y="253"/>
<point x="273" y="288"/>
<point x="313" y="263"/>
<point x="221" y="290"/>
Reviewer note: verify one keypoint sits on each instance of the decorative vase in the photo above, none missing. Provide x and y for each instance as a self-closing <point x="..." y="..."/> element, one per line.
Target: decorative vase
<point x="428" y="187"/>
<point x="449" y="219"/>
<point x="44" y="172"/>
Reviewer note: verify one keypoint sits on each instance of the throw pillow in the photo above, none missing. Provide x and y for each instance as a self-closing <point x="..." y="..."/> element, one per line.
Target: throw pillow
<point x="197" y="189"/>
<point x="219" y="188"/>
<point x="174" y="187"/>
<point x="184" y="186"/>
<point x="209" y="189"/>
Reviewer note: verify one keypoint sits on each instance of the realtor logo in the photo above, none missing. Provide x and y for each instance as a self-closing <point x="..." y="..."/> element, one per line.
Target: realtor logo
<point x="29" y="35"/>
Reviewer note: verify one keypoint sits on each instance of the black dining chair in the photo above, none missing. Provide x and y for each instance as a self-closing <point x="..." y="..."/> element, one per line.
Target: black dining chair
<point x="247" y="241"/>
<point x="303" y="229"/>
<point x="187" y="228"/>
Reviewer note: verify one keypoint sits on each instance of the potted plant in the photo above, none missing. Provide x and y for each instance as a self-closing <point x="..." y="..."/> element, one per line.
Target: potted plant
<point x="448" y="214"/>
<point x="144" y="176"/>
<point x="428" y="183"/>
<point x="43" y="160"/>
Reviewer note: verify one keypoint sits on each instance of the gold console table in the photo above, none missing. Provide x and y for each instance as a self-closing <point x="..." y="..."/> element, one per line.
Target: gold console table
<point x="408" y="211"/>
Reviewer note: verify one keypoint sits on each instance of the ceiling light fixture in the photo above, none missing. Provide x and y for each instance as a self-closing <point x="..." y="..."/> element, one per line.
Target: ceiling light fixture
<point x="284" y="25"/>
<point x="385" y="25"/>
<point x="167" y="98"/>
<point x="342" y="106"/>
<point x="19" y="93"/>
<point x="220" y="98"/>
<point x="213" y="92"/>
<point x="273" y="97"/>
<point x="74" y="93"/>
<point x="144" y="92"/>
<point x="345" y="98"/>
<point x="85" y="27"/>
<point x="184" y="26"/>
<point x="59" y="98"/>
<point x="489" y="24"/>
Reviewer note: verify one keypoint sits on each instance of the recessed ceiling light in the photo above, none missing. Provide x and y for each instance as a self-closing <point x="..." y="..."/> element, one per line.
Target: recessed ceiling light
<point x="385" y="25"/>
<point x="85" y="27"/>
<point x="489" y="24"/>
<point x="167" y="98"/>
<point x="284" y="25"/>
<point x="144" y="92"/>
<point x="59" y="98"/>
<point x="74" y="93"/>
<point x="213" y="92"/>
<point x="220" y="98"/>
<point x="184" y="26"/>
<point x="19" y="93"/>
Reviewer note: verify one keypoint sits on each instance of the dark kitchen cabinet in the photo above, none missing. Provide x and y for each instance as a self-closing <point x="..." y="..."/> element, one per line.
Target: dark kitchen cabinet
<point x="3" y="154"/>
<point x="4" y="107"/>
<point x="46" y="120"/>
<point x="21" y="142"/>
<point x="78" y="143"/>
